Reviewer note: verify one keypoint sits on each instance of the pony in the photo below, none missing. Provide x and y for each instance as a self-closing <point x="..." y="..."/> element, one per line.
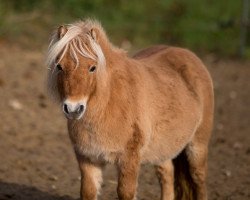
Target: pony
<point x="155" y="107"/>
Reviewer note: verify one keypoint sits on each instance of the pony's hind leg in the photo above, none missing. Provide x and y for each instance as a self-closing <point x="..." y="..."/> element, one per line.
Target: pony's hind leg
<point x="165" y="173"/>
<point x="197" y="158"/>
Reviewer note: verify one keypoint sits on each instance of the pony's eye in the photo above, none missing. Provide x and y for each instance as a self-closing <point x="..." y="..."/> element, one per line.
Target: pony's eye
<point x="59" y="67"/>
<point x="92" y="69"/>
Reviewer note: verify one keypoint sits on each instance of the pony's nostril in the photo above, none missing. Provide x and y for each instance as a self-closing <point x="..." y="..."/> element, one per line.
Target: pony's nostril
<point x="73" y="110"/>
<point x="80" y="109"/>
<point x="65" y="108"/>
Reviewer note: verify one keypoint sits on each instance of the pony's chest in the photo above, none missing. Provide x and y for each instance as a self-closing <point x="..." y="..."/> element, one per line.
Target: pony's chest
<point x="96" y="149"/>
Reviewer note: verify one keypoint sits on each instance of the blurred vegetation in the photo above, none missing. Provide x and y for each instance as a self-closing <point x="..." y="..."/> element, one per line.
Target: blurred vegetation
<point x="204" y="26"/>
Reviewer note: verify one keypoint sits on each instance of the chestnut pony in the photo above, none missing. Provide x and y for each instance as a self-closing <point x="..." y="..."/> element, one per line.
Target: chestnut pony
<point x="155" y="107"/>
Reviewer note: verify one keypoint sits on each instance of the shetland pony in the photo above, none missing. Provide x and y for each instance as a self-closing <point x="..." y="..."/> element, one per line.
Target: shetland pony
<point x="155" y="107"/>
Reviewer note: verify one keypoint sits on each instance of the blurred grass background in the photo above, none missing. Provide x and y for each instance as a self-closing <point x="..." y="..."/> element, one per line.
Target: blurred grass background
<point x="204" y="26"/>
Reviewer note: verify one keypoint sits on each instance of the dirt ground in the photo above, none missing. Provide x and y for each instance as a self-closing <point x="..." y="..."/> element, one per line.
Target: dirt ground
<point x="36" y="158"/>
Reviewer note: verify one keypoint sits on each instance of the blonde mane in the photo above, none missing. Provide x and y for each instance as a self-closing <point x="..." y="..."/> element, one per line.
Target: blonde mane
<point x="74" y="41"/>
<point x="77" y="41"/>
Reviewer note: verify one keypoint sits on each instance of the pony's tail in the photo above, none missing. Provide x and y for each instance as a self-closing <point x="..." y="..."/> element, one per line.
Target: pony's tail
<point x="184" y="185"/>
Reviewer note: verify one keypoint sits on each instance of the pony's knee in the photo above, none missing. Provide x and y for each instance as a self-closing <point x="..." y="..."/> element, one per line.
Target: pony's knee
<point x="126" y="193"/>
<point x="89" y="195"/>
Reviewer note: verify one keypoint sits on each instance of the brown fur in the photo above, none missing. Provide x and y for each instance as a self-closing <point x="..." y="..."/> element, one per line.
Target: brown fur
<point x="145" y="109"/>
<point x="165" y="173"/>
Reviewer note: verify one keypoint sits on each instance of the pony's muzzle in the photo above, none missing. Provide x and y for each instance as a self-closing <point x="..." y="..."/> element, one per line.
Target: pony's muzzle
<point x="73" y="110"/>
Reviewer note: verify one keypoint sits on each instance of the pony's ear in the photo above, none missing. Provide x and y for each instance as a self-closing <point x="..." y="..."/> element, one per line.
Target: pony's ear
<point x="94" y="33"/>
<point x="61" y="31"/>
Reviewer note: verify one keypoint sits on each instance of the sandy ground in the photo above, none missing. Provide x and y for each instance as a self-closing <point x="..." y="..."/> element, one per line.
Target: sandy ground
<point x="36" y="158"/>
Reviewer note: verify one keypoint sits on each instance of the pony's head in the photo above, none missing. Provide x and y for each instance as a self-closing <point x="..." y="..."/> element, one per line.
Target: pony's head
<point x="75" y="60"/>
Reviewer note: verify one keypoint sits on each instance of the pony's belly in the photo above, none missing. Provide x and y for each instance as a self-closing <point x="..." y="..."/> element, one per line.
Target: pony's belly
<point x="158" y="155"/>
<point x="171" y="131"/>
<point x="165" y="146"/>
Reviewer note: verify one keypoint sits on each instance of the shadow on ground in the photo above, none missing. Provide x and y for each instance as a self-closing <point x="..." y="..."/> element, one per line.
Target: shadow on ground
<point x="15" y="191"/>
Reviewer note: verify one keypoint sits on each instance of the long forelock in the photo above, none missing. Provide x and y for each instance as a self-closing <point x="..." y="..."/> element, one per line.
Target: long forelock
<point x="73" y="43"/>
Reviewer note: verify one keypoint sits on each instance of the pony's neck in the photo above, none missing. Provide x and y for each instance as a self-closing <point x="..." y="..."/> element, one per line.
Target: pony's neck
<point x="99" y="102"/>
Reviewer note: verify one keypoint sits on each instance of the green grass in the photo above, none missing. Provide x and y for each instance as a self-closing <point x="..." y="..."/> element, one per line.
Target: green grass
<point x="204" y="26"/>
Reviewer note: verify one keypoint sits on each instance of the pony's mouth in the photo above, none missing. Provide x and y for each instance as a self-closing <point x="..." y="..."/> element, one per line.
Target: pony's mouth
<point x="74" y="116"/>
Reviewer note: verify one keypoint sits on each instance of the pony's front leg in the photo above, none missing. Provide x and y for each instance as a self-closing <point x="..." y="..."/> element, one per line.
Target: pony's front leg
<point x="128" y="169"/>
<point x="91" y="179"/>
